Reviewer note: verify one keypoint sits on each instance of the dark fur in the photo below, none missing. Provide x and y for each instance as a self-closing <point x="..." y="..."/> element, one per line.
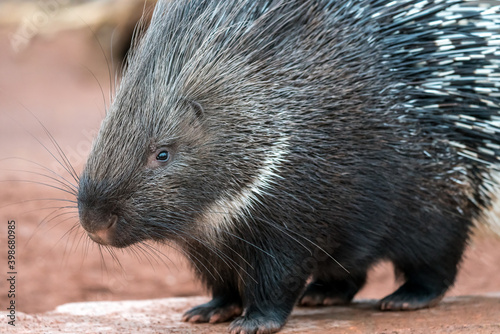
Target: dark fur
<point x="364" y="171"/>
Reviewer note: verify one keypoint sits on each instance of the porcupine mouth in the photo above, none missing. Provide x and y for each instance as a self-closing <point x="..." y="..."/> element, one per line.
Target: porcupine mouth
<point x="116" y="235"/>
<point x="114" y="242"/>
<point x="123" y="239"/>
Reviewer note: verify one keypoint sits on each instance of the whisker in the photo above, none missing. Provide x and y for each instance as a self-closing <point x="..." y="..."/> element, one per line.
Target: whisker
<point x="50" y="208"/>
<point x="64" y="220"/>
<point x="61" y="238"/>
<point x="115" y="258"/>
<point x="40" y="183"/>
<point x="138" y="246"/>
<point x="246" y="241"/>
<point x="103" y="262"/>
<point x="38" y="200"/>
<point x="69" y="188"/>
<point x="63" y="179"/>
<point x="306" y="239"/>
<point x="40" y="224"/>
<point x="221" y="255"/>
<point x="100" y="86"/>
<point x="74" y="228"/>
<point x="132" y="249"/>
<point x="65" y="164"/>
<point x="61" y="153"/>
<point x="158" y="253"/>
<point x="84" y="239"/>
<point x="199" y="262"/>
<point x="111" y="86"/>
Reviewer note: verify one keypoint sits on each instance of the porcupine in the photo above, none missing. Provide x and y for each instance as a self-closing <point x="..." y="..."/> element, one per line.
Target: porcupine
<point x="280" y="141"/>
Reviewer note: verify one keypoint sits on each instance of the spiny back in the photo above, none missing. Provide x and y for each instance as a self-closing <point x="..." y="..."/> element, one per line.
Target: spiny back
<point x="438" y="60"/>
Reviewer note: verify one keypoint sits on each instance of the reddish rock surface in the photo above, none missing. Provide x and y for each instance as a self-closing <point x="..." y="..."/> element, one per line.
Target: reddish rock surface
<point x="58" y="81"/>
<point x="474" y="315"/>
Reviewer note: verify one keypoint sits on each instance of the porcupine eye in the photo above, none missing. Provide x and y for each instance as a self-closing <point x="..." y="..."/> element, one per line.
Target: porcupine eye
<point x="163" y="156"/>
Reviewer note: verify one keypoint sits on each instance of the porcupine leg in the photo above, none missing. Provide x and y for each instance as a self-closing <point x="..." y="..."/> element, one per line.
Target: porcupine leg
<point x="269" y="298"/>
<point x="428" y="278"/>
<point x="224" y="306"/>
<point x="332" y="291"/>
<point x="421" y="290"/>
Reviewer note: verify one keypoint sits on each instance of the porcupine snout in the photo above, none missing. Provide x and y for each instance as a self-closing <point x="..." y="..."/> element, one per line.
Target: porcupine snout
<point x="100" y="227"/>
<point x="101" y="231"/>
<point x="97" y="212"/>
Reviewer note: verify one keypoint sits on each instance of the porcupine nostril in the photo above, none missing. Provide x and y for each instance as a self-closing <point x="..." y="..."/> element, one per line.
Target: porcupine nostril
<point x="104" y="236"/>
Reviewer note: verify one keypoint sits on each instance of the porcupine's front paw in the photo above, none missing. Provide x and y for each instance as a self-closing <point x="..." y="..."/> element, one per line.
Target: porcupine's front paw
<point x="216" y="310"/>
<point x="256" y="323"/>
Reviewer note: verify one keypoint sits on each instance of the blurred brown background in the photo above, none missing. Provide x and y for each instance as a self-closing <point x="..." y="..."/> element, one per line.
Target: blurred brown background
<point x="58" y="64"/>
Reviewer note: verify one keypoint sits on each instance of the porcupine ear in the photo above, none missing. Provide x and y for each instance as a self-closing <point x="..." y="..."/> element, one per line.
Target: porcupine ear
<point x="195" y="111"/>
<point x="197" y="108"/>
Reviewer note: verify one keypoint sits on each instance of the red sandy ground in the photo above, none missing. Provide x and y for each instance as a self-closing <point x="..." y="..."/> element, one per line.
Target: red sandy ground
<point x="54" y="80"/>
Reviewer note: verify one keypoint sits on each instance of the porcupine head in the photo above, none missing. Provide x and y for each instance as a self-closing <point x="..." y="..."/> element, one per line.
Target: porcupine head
<point x="178" y="143"/>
